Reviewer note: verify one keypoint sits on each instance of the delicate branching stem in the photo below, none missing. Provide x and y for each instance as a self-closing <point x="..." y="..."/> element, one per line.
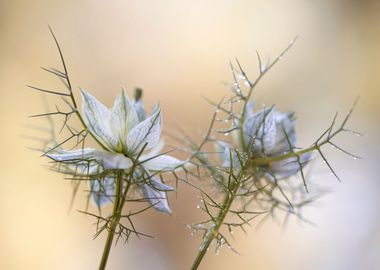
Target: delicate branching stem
<point x="210" y="236"/>
<point x="120" y="197"/>
<point x="66" y="77"/>
<point x="252" y="85"/>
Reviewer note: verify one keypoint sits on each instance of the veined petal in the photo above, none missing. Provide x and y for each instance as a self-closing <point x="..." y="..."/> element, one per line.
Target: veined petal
<point x="61" y="155"/>
<point x="97" y="118"/>
<point x="123" y="116"/>
<point x="81" y="169"/>
<point x="161" y="163"/>
<point x="154" y="151"/>
<point x="147" y="132"/>
<point x="158" y="199"/>
<point x="107" y="160"/>
<point x="103" y="191"/>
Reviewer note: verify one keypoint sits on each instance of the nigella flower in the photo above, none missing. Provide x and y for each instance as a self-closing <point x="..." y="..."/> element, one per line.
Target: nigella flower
<point x="128" y="137"/>
<point x="268" y="133"/>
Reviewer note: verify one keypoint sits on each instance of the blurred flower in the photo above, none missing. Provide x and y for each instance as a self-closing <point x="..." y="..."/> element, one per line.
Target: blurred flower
<point x="267" y="133"/>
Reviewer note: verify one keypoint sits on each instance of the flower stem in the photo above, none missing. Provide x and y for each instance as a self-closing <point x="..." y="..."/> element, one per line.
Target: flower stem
<point x="115" y="218"/>
<point x="209" y="236"/>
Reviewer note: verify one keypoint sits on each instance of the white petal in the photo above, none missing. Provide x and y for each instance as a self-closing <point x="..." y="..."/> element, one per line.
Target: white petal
<point x="82" y="169"/>
<point x="157" y="198"/>
<point x="148" y="131"/>
<point x="107" y="160"/>
<point x="161" y="163"/>
<point x="123" y="116"/>
<point x="113" y="160"/>
<point x="155" y="151"/>
<point x="73" y="155"/>
<point x="97" y="118"/>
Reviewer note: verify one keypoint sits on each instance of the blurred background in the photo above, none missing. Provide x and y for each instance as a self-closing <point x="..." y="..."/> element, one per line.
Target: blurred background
<point x="177" y="51"/>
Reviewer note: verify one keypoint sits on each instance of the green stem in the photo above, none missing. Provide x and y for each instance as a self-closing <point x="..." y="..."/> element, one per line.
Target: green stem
<point x="210" y="236"/>
<point x="115" y="218"/>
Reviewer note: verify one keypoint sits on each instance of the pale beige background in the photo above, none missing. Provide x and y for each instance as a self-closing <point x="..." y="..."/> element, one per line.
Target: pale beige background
<point x="176" y="51"/>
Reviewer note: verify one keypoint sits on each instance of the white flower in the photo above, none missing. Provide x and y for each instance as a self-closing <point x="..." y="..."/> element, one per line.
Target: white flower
<point x="125" y="131"/>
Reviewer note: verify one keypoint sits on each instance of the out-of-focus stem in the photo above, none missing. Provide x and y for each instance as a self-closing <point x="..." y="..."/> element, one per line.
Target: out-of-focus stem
<point x="209" y="237"/>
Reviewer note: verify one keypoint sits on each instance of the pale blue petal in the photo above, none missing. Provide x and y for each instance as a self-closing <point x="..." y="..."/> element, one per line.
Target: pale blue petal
<point x="290" y="166"/>
<point x="139" y="108"/>
<point x="158" y="199"/>
<point x="103" y="191"/>
<point x="286" y="132"/>
<point x="156" y="183"/>
<point x="225" y="153"/>
<point x="260" y="131"/>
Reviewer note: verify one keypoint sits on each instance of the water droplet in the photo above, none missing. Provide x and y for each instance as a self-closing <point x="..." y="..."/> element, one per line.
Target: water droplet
<point x="226" y="134"/>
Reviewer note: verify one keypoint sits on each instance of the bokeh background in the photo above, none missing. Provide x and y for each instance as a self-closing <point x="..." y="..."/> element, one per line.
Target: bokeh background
<point x="178" y="51"/>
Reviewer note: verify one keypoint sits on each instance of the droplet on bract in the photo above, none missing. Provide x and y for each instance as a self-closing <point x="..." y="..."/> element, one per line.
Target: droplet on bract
<point x="198" y="206"/>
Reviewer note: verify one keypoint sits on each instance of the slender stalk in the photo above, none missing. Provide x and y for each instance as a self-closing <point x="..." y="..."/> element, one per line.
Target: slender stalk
<point x="117" y="209"/>
<point x="210" y="236"/>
